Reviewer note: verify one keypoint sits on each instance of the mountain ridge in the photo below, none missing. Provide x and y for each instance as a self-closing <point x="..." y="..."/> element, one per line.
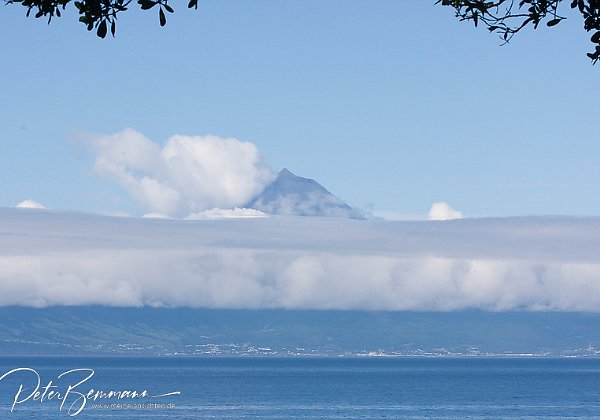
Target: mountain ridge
<point x="97" y="330"/>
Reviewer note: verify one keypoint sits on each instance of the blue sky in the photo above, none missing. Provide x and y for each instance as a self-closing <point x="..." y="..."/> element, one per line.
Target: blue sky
<point x="392" y="105"/>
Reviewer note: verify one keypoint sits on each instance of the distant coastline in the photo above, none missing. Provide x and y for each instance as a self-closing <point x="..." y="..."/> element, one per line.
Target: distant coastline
<point x="108" y="331"/>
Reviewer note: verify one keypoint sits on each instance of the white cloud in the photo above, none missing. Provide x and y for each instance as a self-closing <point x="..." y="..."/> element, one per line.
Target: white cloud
<point x="393" y="216"/>
<point x="187" y="175"/>
<point x="308" y="263"/>
<point x="30" y="204"/>
<point x="155" y="216"/>
<point x="236" y="213"/>
<point x="442" y="211"/>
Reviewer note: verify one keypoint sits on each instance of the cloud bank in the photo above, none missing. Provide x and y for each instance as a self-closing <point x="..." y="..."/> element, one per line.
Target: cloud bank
<point x="188" y="174"/>
<point x="52" y="258"/>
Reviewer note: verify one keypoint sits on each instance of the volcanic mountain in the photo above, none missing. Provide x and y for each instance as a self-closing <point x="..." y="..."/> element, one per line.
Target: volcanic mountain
<point x="293" y="195"/>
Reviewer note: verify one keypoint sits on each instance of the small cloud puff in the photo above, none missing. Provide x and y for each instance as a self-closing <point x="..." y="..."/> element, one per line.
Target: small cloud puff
<point x="442" y="211"/>
<point x="30" y="204"/>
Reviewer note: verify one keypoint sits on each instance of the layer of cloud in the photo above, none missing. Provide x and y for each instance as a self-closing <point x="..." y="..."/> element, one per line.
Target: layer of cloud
<point x="394" y="216"/>
<point x="30" y="204"/>
<point x="215" y="214"/>
<point x="442" y="211"/>
<point x="236" y="213"/>
<point x="187" y="175"/>
<point x="49" y="258"/>
<point x="312" y="204"/>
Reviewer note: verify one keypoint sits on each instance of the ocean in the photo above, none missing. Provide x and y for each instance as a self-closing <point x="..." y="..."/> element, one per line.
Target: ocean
<point x="294" y="388"/>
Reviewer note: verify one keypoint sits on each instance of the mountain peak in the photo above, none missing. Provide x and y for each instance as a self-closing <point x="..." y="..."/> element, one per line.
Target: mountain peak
<point x="291" y="194"/>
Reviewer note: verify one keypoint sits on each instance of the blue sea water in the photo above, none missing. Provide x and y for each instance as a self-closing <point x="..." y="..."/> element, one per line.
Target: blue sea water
<point x="325" y="388"/>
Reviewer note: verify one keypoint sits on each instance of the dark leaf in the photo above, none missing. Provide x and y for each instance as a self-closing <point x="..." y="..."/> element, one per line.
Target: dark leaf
<point x="162" y="17"/>
<point x="146" y="4"/>
<point x="113" y="28"/>
<point x="193" y="3"/>
<point x="596" y="38"/>
<point x="101" y="32"/>
<point x="553" y="22"/>
<point x="169" y="8"/>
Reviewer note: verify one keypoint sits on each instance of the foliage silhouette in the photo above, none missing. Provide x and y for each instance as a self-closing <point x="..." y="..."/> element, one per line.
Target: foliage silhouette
<point x="504" y="17"/>
<point x="508" y="17"/>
